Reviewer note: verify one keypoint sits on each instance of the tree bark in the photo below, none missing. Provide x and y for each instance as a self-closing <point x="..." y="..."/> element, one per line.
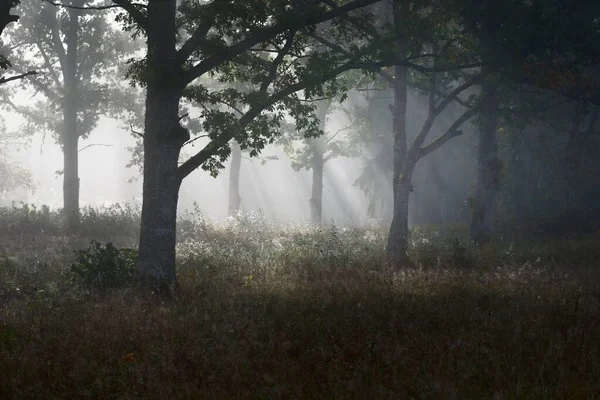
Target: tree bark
<point x="520" y="171"/>
<point x="235" y="199"/>
<point x="163" y="139"/>
<point x="576" y="146"/>
<point x="318" y="167"/>
<point x="160" y="192"/>
<point x="71" y="168"/>
<point x="70" y="133"/>
<point x="483" y="203"/>
<point x="397" y="245"/>
<point x="316" y="195"/>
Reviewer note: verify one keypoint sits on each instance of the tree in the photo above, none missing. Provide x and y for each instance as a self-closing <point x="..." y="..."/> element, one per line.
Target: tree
<point x="7" y="18"/>
<point x="547" y="51"/>
<point x="546" y="44"/>
<point x="77" y="53"/>
<point x="13" y="176"/>
<point x="313" y="153"/>
<point x="227" y="38"/>
<point x="168" y="73"/>
<point x="483" y="203"/>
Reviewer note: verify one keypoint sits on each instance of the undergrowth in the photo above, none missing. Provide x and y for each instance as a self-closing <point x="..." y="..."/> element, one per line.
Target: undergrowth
<point x="295" y="312"/>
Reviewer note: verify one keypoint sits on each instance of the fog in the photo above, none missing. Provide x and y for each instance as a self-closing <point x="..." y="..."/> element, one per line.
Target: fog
<point x="266" y="184"/>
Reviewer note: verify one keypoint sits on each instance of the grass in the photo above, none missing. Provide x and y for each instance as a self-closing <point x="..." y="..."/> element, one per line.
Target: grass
<point x="295" y="312"/>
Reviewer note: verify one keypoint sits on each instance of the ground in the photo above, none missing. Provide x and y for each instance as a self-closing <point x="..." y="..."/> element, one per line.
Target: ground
<point x="294" y="312"/>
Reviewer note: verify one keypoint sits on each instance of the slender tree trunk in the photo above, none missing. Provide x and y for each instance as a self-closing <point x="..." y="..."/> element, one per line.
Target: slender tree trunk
<point x="163" y="139"/>
<point x="234" y="180"/>
<point x="70" y="133"/>
<point x="318" y="166"/>
<point x="489" y="167"/>
<point x="316" y="196"/>
<point x="71" y="169"/>
<point x="397" y="245"/>
<point x="519" y="174"/>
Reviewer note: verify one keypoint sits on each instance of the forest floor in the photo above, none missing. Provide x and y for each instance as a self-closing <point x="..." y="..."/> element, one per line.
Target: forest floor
<point x="299" y="313"/>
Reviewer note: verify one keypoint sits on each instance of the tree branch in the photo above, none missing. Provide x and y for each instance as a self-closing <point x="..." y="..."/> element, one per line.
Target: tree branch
<point x="56" y="42"/>
<point x="311" y="17"/>
<point x="16" y="77"/>
<point x="452" y="132"/>
<point x="94" y="145"/>
<point x="277" y="61"/>
<point x="208" y="19"/>
<point x="458" y="90"/>
<point x="51" y="70"/>
<point x="203" y="155"/>
<point x="382" y="64"/>
<point x="94" y="8"/>
<point x="133" y="10"/>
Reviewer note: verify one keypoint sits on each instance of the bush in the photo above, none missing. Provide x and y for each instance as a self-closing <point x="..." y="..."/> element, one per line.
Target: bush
<point x="103" y="268"/>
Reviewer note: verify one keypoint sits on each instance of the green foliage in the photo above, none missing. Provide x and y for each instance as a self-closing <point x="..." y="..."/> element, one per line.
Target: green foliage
<point x="103" y="268"/>
<point x="13" y="176"/>
<point x="41" y="42"/>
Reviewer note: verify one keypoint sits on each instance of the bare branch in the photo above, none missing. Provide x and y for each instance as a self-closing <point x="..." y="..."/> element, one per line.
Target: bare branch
<point x="458" y="90"/>
<point x="16" y="77"/>
<point x="140" y="134"/>
<point x="194" y="139"/>
<point x="94" y="8"/>
<point x="452" y="132"/>
<point x="449" y="68"/>
<point x="330" y="139"/>
<point x="94" y="145"/>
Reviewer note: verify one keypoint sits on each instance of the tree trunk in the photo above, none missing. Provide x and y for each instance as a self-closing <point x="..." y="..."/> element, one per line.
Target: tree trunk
<point x="70" y="133"/>
<point x="318" y="166"/>
<point x="163" y="139"/>
<point x="234" y="180"/>
<point x="483" y="204"/>
<point x="316" y="195"/>
<point x="160" y="192"/>
<point x="71" y="169"/>
<point x="397" y="245"/>
<point x="520" y="171"/>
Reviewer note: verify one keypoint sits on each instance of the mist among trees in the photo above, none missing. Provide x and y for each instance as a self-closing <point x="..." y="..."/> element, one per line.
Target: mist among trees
<point x="299" y="199"/>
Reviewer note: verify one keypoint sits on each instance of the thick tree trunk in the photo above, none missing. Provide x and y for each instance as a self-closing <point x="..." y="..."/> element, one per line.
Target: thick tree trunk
<point x="163" y="139"/>
<point x="397" y="245"/>
<point x="160" y="191"/>
<point x="483" y="204"/>
<point x="235" y="199"/>
<point x="70" y="133"/>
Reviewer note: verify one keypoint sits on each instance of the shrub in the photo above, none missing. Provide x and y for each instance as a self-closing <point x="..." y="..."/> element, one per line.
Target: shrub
<point x="103" y="268"/>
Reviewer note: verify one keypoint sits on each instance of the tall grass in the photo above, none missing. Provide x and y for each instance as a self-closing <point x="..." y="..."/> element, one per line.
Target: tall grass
<point x="299" y="312"/>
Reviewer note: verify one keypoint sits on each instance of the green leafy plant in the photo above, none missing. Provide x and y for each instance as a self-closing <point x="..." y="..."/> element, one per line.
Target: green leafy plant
<point x="104" y="267"/>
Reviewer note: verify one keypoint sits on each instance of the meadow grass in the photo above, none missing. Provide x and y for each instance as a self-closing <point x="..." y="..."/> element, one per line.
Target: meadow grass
<point x="299" y="312"/>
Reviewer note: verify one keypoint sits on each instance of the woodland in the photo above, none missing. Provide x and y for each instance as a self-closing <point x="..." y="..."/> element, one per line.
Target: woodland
<point x="470" y="132"/>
